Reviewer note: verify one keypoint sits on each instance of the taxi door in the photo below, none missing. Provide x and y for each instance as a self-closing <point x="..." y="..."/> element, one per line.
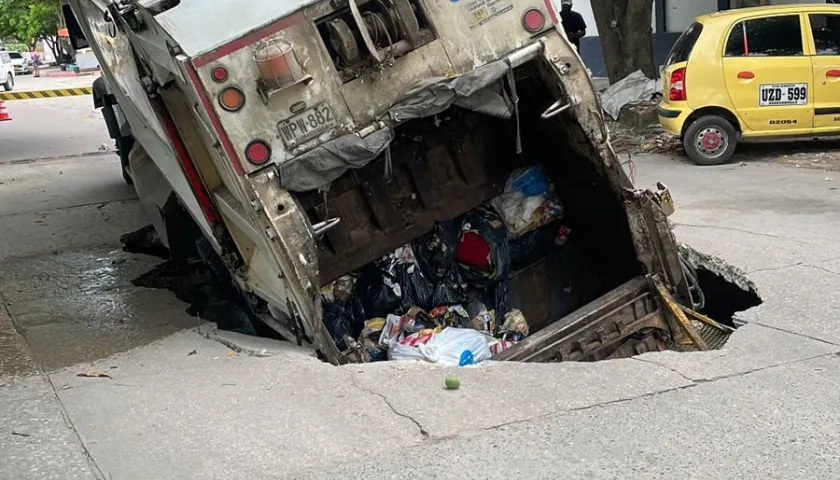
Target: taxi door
<point x="768" y="76"/>
<point x="824" y="32"/>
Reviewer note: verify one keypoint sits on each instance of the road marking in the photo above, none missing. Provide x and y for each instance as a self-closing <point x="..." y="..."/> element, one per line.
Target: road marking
<point x="57" y="92"/>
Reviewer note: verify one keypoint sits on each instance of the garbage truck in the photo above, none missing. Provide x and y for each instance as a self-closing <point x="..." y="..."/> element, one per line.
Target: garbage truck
<point x="371" y="169"/>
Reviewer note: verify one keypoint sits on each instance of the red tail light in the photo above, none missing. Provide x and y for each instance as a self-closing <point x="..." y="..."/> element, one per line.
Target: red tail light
<point x="533" y="20"/>
<point x="257" y="152"/>
<point x="678" y="91"/>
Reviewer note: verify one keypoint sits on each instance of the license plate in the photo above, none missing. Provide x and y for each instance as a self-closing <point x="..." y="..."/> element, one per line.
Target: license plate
<point x="307" y="125"/>
<point x="783" y="94"/>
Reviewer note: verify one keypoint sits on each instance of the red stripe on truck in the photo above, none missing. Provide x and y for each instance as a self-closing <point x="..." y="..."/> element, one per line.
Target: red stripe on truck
<point x="227" y="146"/>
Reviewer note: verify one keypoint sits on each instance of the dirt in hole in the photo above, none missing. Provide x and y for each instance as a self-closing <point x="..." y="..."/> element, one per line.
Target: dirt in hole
<point x="192" y="282"/>
<point x="726" y="288"/>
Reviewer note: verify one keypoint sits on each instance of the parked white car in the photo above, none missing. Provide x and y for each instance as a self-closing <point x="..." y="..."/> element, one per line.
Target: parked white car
<point x="22" y="63"/>
<point x="7" y="71"/>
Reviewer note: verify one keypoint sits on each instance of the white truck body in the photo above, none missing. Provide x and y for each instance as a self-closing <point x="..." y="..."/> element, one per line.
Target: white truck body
<point x="233" y="145"/>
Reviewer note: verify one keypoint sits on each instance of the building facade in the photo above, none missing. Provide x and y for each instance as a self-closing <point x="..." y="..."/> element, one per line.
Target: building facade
<point x="669" y="19"/>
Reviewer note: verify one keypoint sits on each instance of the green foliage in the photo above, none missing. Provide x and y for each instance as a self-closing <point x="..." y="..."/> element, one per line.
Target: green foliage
<point x="28" y="20"/>
<point x="16" y="47"/>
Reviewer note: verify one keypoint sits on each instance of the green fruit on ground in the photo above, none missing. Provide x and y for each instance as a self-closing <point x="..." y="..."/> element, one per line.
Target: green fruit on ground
<point x="452" y="383"/>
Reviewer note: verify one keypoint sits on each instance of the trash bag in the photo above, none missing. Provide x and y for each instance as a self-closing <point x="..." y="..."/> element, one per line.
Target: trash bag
<point x="376" y="294"/>
<point x="532" y="247"/>
<point x="455" y="347"/>
<point x="482" y="253"/>
<point x="531" y="182"/>
<point x="448" y="291"/>
<point x="435" y="250"/>
<point x="529" y="202"/>
<point x="417" y="290"/>
<point x="339" y="322"/>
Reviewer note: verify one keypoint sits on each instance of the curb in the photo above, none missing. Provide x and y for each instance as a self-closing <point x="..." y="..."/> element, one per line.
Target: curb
<point x="69" y="74"/>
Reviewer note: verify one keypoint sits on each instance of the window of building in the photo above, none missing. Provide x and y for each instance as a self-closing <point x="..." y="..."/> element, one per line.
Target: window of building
<point x="766" y="37"/>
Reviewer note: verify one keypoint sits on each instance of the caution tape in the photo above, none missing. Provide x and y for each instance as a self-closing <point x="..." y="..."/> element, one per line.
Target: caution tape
<point x="57" y="92"/>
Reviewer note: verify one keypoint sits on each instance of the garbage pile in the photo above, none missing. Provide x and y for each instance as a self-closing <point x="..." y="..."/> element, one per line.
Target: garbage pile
<point x="443" y="298"/>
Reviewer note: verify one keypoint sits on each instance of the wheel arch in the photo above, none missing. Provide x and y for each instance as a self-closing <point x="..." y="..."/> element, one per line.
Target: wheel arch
<point x="712" y="110"/>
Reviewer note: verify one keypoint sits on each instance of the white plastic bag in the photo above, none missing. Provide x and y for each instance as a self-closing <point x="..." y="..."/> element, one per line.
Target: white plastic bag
<point x="454" y="347"/>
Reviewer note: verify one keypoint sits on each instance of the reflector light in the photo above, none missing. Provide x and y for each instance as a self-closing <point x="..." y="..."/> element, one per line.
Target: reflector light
<point x="533" y="20"/>
<point x="220" y="74"/>
<point x="232" y="99"/>
<point x="257" y="152"/>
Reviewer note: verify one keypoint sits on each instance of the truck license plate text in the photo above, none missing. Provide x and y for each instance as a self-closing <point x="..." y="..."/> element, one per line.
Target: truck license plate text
<point x="307" y="124"/>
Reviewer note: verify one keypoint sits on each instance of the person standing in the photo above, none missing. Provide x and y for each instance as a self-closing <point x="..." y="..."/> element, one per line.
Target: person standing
<point x="36" y="63"/>
<point x="573" y="23"/>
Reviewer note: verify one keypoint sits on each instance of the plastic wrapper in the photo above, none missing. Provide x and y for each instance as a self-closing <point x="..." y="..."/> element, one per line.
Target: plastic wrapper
<point x="529" y="201"/>
<point x="515" y="322"/>
<point x="456" y="347"/>
<point x="481" y="319"/>
<point x="451" y="316"/>
<point x="500" y="346"/>
<point x="416" y="320"/>
<point x="392" y="331"/>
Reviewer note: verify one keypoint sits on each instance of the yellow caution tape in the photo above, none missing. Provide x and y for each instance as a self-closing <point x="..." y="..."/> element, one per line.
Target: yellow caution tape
<point x="57" y="92"/>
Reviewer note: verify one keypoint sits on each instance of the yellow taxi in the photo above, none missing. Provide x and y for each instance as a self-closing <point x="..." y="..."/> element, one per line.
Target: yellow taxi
<point x="764" y="73"/>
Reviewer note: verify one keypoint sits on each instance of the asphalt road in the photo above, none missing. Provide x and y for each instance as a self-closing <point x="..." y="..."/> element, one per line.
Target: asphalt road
<point x="52" y="127"/>
<point x="177" y="404"/>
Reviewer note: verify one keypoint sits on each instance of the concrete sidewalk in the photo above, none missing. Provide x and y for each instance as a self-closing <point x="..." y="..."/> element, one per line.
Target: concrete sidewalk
<point x="186" y="406"/>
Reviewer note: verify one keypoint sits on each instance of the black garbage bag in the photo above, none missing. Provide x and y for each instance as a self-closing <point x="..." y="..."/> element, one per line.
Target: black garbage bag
<point x="435" y="251"/>
<point x="483" y="253"/>
<point x="339" y="322"/>
<point x="376" y="294"/>
<point x="448" y="291"/>
<point x="417" y="290"/>
<point x="532" y="247"/>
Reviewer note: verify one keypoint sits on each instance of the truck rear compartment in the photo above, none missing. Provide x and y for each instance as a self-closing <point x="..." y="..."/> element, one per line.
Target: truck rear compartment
<point x="444" y="167"/>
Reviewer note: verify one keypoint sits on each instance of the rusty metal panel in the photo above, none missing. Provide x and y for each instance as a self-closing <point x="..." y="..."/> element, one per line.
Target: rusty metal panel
<point x="594" y="331"/>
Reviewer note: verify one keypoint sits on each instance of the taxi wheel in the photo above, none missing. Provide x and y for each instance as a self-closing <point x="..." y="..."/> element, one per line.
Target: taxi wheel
<point x="710" y="140"/>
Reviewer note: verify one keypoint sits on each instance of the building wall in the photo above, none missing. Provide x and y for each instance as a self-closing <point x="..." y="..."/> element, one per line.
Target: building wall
<point x="678" y="15"/>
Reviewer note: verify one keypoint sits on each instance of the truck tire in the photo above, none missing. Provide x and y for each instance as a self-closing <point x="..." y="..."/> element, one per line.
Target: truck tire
<point x="710" y="140"/>
<point x="125" y="145"/>
<point x="10" y="83"/>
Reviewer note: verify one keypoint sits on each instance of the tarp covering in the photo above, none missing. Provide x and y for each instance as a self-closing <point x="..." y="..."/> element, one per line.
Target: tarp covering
<point x="473" y="91"/>
<point x="325" y="163"/>
<point x="632" y="89"/>
<point x="479" y="90"/>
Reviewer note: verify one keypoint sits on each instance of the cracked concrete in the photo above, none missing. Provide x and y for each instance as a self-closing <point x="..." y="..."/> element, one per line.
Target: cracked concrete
<point x="738" y="427"/>
<point x="184" y="405"/>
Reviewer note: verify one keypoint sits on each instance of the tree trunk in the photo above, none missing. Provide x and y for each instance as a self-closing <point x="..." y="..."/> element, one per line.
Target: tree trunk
<point x="750" y="3"/>
<point x="52" y="43"/>
<point x="626" y="36"/>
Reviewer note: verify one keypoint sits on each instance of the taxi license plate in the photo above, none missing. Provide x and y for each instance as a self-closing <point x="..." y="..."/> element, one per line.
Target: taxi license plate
<point x="307" y="125"/>
<point x="783" y="94"/>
